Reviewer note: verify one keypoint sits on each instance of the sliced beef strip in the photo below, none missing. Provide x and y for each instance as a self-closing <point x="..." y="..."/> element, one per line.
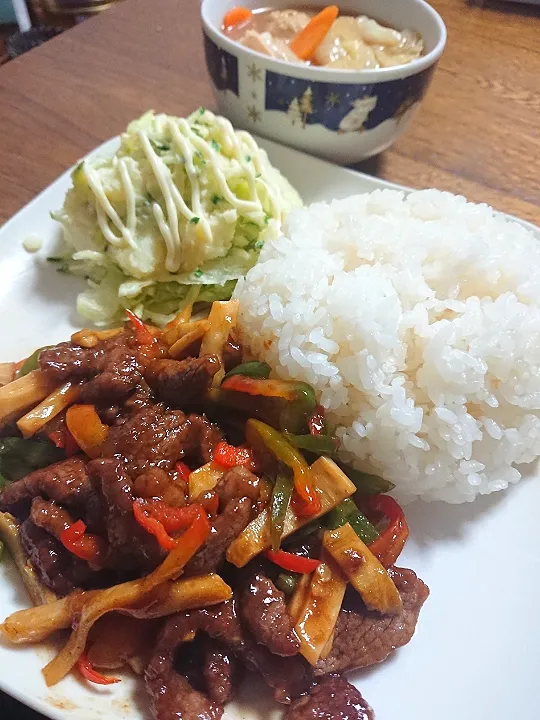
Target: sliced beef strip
<point x="131" y="548"/>
<point x="236" y="483"/>
<point x="224" y="529"/>
<point x="264" y="611"/>
<point x="220" y="671"/>
<point x="112" y="368"/>
<point x="207" y="435"/>
<point x="119" y="372"/>
<point x="289" y="677"/>
<point x="117" y="414"/>
<point x="50" y="516"/>
<point x="238" y="489"/>
<point x="65" y="482"/>
<point x="152" y="437"/>
<point x="69" y="360"/>
<point x="232" y="353"/>
<point x="172" y="697"/>
<point x="365" y="638"/>
<point x="157" y="484"/>
<point x="333" y="698"/>
<point x="180" y="383"/>
<point x="56" y="567"/>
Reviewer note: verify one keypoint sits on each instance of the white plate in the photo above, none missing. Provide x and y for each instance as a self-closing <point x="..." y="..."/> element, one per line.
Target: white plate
<point x="475" y="653"/>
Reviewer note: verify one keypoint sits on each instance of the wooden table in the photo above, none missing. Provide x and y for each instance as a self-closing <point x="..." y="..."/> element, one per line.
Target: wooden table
<point x="477" y="133"/>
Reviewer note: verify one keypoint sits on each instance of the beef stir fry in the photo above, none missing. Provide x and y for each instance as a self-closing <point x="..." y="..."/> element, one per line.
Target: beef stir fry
<point x="178" y="511"/>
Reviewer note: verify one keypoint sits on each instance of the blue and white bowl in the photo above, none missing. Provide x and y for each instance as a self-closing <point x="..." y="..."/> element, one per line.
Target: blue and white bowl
<point x="342" y="115"/>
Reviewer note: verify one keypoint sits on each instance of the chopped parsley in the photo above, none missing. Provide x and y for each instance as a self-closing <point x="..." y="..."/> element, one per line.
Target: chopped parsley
<point x="194" y="220"/>
<point x="248" y="158"/>
<point x="215" y="145"/>
<point x="202" y="111"/>
<point x="258" y="245"/>
<point x="198" y="273"/>
<point x="266" y="219"/>
<point x="258" y="175"/>
<point x="216" y="199"/>
<point x="200" y="157"/>
<point x="161" y="147"/>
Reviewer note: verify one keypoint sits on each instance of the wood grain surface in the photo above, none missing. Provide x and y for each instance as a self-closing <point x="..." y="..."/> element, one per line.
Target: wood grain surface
<point x="477" y="133"/>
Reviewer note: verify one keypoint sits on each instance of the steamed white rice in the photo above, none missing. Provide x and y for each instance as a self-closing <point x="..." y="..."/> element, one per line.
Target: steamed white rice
<point x="417" y="320"/>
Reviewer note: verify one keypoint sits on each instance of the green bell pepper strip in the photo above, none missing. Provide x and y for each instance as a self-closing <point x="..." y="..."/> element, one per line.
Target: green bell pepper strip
<point x="278" y="445"/>
<point x="367" y="484"/>
<point x="32" y="362"/>
<point x="286" y="582"/>
<point x="347" y="512"/>
<point x="281" y="499"/>
<point x="304" y="532"/>
<point x="316" y="444"/>
<point x="295" y="414"/>
<point x="253" y="369"/>
<point x="326" y="445"/>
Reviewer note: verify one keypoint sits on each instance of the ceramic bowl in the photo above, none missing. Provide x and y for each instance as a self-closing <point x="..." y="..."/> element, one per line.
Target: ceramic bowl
<point x="342" y="115"/>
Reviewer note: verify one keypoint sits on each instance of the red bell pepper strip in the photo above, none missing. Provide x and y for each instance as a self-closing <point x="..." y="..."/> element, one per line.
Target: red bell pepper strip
<point x="64" y="439"/>
<point x="317" y="421"/>
<point x="257" y="386"/>
<point x="18" y="366"/>
<point x="153" y="526"/>
<point x="92" y="675"/>
<point x="388" y="546"/>
<point x="70" y="444"/>
<point x="183" y="470"/>
<point x="185" y="548"/>
<point x="58" y="438"/>
<point x="172" y="518"/>
<point x="292" y="562"/>
<point x="88" y="547"/>
<point x="142" y="333"/>
<point x="231" y="456"/>
<point x="160" y="519"/>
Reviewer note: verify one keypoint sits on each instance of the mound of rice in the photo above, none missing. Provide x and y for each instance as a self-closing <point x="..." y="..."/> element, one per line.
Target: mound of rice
<point x="417" y="320"/>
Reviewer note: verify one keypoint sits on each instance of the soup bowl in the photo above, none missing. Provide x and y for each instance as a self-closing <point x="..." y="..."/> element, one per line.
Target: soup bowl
<point x="341" y="115"/>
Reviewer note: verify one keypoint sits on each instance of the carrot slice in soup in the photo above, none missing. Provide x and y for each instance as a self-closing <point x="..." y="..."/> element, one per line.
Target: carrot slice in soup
<point x="309" y="38"/>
